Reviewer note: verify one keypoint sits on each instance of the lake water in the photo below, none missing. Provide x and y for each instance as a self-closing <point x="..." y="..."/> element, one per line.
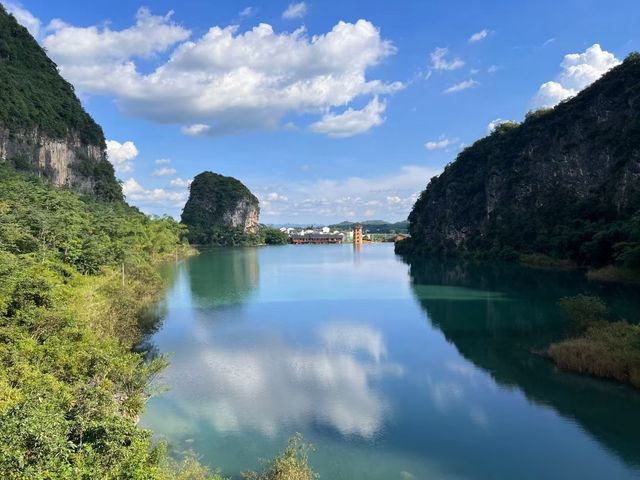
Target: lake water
<point x="392" y="371"/>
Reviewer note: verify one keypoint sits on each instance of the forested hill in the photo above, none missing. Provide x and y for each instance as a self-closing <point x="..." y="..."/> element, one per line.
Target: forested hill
<point x="218" y="205"/>
<point x="565" y="183"/>
<point x="42" y="123"/>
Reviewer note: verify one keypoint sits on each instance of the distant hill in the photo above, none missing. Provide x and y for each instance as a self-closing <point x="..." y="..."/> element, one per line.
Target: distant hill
<point x="564" y="183"/>
<point x="43" y="126"/>
<point x="374" y="226"/>
<point x="218" y="209"/>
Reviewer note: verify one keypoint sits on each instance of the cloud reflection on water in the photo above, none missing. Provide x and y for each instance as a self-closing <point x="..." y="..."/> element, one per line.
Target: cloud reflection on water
<point x="271" y="385"/>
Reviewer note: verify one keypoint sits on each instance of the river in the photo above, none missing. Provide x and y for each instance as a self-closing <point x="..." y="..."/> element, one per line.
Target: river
<point x="392" y="371"/>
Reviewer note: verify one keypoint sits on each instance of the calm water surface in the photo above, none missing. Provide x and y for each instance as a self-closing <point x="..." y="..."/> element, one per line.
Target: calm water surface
<point x="392" y="371"/>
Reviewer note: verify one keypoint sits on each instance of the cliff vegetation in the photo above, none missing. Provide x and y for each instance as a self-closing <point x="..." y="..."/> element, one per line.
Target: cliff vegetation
<point x="43" y="126"/>
<point x="221" y="211"/>
<point x="564" y="183"/>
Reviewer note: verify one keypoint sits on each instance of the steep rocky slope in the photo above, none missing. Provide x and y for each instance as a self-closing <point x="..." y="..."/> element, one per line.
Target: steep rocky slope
<point x="565" y="182"/>
<point x="43" y="126"/>
<point x="218" y="205"/>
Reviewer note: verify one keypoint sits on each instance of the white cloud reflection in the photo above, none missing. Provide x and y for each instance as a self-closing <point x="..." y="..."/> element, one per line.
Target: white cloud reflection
<point x="272" y="385"/>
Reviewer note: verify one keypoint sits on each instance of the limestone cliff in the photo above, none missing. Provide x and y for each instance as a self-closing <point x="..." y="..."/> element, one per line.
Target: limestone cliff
<point x="43" y="127"/>
<point x="565" y="182"/>
<point x="218" y="205"/>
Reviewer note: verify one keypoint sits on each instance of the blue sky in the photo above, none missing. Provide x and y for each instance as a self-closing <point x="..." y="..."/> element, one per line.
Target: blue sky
<point x="327" y="110"/>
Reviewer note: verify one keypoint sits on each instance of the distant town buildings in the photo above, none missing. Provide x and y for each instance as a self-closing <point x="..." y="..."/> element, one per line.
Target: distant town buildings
<point x="325" y="235"/>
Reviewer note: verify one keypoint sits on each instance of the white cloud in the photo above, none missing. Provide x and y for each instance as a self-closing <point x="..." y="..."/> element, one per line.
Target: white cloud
<point x="462" y="86"/>
<point x="164" y="172"/>
<point x="162" y="161"/>
<point x="351" y="122"/>
<point x="150" y="199"/>
<point x="439" y="144"/>
<point x="24" y="17"/>
<point x="227" y="81"/>
<point x="481" y="35"/>
<point x="492" y="69"/>
<point x="196" y="130"/>
<point x="579" y="70"/>
<point x="275" y="196"/>
<point x="179" y="182"/>
<point x="295" y="10"/>
<point x="79" y="49"/>
<point x="247" y="12"/>
<point x="439" y="62"/>
<point x="121" y="155"/>
<point x="389" y="197"/>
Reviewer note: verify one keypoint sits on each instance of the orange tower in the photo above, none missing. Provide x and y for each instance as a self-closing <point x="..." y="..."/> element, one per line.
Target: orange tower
<point x="357" y="235"/>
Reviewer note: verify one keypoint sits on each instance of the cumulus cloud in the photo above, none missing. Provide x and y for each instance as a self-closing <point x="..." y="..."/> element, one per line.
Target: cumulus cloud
<point x="295" y="10"/>
<point x="351" y="122"/>
<point x="226" y="81"/>
<point x="464" y="85"/>
<point x="78" y="50"/>
<point x="439" y="62"/>
<point x="164" y="172"/>
<point x="24" y="17"/>
<point x="151" y="199"/>
<point x="439" y="144"/>
<point x="180" y="183"/>
<point x="478" y="36"/>
<point x="579" y="70"/>
<point x="121" y="155"/>
<point x="162" y="161"/>
<point x="389" y="196"/>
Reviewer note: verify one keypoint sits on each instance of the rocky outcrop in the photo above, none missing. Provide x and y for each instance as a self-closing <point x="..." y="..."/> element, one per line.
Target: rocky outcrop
<point x="565" y="182"/>
<point x="43" y="127"/>
<point x="243" y="215"/>
<point x="52" y="157"/>
<point x="217" y="207"/>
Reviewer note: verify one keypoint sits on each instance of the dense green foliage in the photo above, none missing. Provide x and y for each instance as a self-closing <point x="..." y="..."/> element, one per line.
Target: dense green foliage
<point x="213" y="198"/>
<point x="292" y="464"/>
<point x="33" y="94"/>
<point x="78" y="276"/>
<point x="236" y="237"/>
<point x="70" y="386"/>
<point x="273" y="236"/>
<point x="601" y="347"/>
<point x="564" y="183"/>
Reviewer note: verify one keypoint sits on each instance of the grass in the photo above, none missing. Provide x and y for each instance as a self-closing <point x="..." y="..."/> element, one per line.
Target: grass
<point x="601" y="347"/>
<point x="540" y="260"/>
<point x="615" y="274"/>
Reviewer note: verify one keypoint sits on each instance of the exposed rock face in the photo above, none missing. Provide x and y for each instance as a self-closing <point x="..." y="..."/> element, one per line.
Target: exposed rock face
<point x="218" y="205"/>
<point x="53" y="157"/>
<point x="243" y="215"/>
<point x="43" y="127"/>
<point x="544" y="185"/>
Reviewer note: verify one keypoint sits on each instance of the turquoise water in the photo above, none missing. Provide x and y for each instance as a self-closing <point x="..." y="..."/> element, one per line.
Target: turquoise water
<point x="393" y="371"/>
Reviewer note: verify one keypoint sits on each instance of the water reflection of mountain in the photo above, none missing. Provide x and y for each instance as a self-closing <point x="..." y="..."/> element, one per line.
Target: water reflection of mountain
<point x="224" y="276"/>
<point x="496" y="316"/>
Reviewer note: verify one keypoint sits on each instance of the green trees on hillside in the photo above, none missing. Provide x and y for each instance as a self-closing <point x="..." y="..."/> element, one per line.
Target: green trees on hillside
<point x="563" y="183"/>
<point x="70" y="386"/>
<point x="33" y="93"/>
